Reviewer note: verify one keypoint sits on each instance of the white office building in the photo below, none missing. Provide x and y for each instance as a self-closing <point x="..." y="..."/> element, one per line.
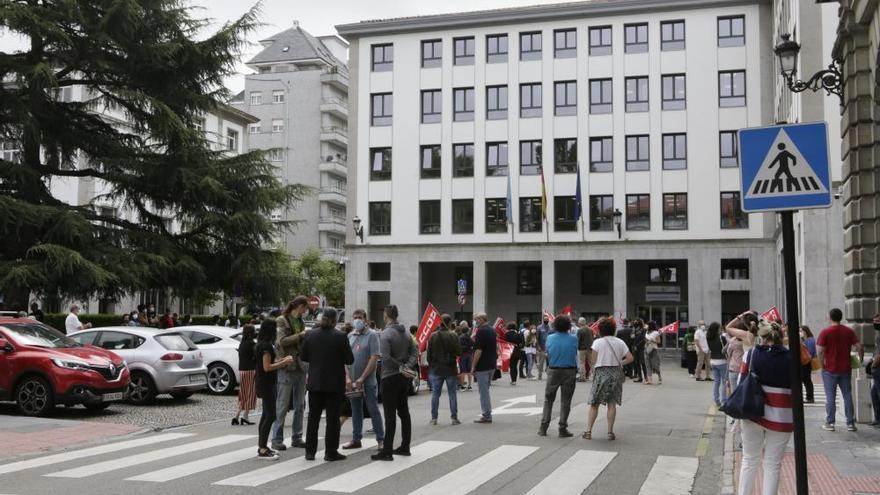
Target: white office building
<point x="638" y="99"/>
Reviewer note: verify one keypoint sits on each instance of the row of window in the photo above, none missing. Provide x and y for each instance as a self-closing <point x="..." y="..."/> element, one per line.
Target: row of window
<point x="565" y="156"/>
<point x="531" y="216"/>
<point x="731" y="93"/>
<point x="277" y="126"/>
<point x="731" y="32"/>
<point x="256" y="97"/>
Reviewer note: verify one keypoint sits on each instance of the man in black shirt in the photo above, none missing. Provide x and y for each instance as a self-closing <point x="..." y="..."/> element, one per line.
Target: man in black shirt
<point x="484" y="363"/>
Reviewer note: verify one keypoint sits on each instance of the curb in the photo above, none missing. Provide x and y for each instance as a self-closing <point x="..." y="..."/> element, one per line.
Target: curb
<point x="92" y="443"/>
<point x="728" y="461"/>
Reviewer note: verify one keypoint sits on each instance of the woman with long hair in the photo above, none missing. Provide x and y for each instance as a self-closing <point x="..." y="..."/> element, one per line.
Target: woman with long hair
<point x="718" y="363"/>
<point x="610" y="355"/>
<point x="652" y="354"/>
<point x="807" y="371"/>
<point x="247" y="364"/>
<point x="266" y="381"/>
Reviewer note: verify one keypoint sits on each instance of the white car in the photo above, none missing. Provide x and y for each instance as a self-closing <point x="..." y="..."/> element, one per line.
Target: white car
<point x="220" y="352"/>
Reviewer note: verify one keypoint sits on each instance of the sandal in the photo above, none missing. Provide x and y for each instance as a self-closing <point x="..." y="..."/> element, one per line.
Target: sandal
<point x="588" y="435"/>
<point x="611" y="436"/>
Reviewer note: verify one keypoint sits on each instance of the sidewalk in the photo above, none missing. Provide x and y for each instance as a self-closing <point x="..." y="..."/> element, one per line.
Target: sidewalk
<point x="24" y="435"/>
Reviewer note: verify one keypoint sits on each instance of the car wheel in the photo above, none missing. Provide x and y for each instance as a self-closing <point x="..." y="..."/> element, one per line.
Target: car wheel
<point x="142" y="390"/>
<point x="221" y="379"/>
<point x="97" y="407"/>
<point x="181" y="395"/>
<point x="34" y="396"/>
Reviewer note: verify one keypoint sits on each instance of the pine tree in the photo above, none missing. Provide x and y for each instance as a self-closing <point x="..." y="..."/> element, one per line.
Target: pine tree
<point x="154" y="61"/>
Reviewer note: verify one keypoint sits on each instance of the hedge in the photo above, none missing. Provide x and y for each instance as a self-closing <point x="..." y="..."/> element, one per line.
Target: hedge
<point x="56" y="320"/>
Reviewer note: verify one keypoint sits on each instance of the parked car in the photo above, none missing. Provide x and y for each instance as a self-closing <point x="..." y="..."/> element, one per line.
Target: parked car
<point x="41" y="367"/>
<point x="220" y="351"/>
<point x="161" y="362"/>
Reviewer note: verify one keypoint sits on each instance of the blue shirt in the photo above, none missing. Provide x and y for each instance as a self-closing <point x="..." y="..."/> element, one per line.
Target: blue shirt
<point x="562" y="350"/>
<point x="543" y="332"/>
<point x="810" y="342"/>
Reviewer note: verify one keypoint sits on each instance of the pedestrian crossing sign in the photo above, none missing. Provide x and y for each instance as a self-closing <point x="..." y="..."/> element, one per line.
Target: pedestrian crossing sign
<point x="785" y="167"/>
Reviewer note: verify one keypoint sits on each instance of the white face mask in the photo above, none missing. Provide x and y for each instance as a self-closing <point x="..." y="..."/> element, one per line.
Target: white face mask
<point x="358" y="324"/>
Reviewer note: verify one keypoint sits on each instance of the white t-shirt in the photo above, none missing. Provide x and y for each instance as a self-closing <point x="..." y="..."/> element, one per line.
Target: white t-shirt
<point x="606" y="348"/>
<point x="72" y="323"/>
<point x="655" y="336"/>
<point x="701" y="340"/>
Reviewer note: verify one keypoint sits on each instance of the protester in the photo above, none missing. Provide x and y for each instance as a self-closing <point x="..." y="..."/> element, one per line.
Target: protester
<point x="443" y="352"/>
<point x="745" y="328"/>
<point x="718" y="362"/>
<point x="640" y="370"/>
<point x="292" y="380"/>
<point x="809" y="342"/>
<point x="585" y="340"/>
<point x="562" y="372"/>
<point x="265" y="378"/>
<point x="467" y="355"/>
<point x="652" y="354"/>
<point x="37" y="313"/>
<point x="399" y="353"/>
<point x="702" y="346"/>
<point x="247" y="363"/>
<point x="530" y="343"/>
<point x="541" y="346"/>
<point x="833" y="348"/>
<point x="875" y="374"/>
<point x="365" y="347"/>
<point x="734" y="354"/>
<point x="187" y="321"/>
<point x="483" y="367"/>
<point x="517" y="355"/>
<point x="690" y="351"/>
<point x="72" y="323"/>
<point x="166" y="320"/>
<point x="769" y="433"/>
<point x="625" y="333"/>
<point x="610" y="355"/>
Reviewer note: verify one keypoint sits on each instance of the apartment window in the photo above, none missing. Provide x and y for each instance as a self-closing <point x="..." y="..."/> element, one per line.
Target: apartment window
<point x="674" y="151"/>
<point x="380" y="218"/>
<point x="734" y="269"/>
<point x="496" y="215"/>
<point x="530" y="217"/>
<point x="635" y="37"/>
<point x="528" y="280"/>
<point x="496" y="102"/>
<point x="728" y="149"/>
<point x="496" y="48"/>
<point x="278" y="96"/>
<point x="602" y="213"/>
<point x="601" y="154"/>
<point x="638" y="153"/>
<point x="663" y="274"/>
<point x="530" y="46"/>
<point x="256" y="97"/>
<point x="596" y="280"/>
<point x="565" y="43"/>
<point x="672" y="35"/>
<point x="432" y="53"/>
<point x="231" y="140"/>
<point x="462" y="216"/>
<point x="254" y="128"/>
<point x="674" y="92"/>
<point x="432" y="103"/>
<point x="564" y="214"/>
<point x="383" y="58"/>
<point x="464" y="51"/>
<point x="276" y="155"/>
<point x="732" y="216"/>
<point x="430" y="157"/>
<point x="638" y="212"/>
<point x="382" y="109"/>
<point x="566" y="98"/>
<point x="732" y="88"/>
<point x="463" y="100"/>
<point x="529" y="157"/>
<point x="379" y="272"/>
<point x="277" y="125"/>
<point x="530" y="100"/>
<point x="637" y="94"/>
<point x="565" y="155"/>
<point x="429" y="216"/>
<point x="732" y="31"/>
<point x="496" y="159"/>
<point x="675" y="211"/>
<point x="600" y="40"/>
<point x="600" y="96"/>
<point x="463" y="160"/>
<point x="380" y="163"/>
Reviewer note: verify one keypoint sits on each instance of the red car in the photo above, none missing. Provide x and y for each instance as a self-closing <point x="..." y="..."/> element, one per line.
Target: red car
<point x="41" y="367"/>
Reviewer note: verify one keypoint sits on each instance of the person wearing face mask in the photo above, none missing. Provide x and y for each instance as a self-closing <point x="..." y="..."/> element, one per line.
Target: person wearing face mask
<point x="365" y="347"/>
<point x="807" y="369"/>
<point x="531" y="342"/>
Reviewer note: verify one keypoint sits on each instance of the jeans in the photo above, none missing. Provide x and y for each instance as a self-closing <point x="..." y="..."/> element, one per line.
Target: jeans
<point x="357" y="414"/>
<point x="484" y="379"/>
<point x="875" y="393"/>
<point x="530" y="364"/>
<point x="318" y="403"/>
<point x="266" y="418"/>
<point x="754" y="439"/>
<point x="831" y="381"/>
<point x="567" y="380"/>
<point x="291" y="385"/>
<point x="719" y="386"/>
<point x="733" y="378"/>
<point x="541" y="359"/>
<point x="395" y="402"/>
<point x="451" y="390"/>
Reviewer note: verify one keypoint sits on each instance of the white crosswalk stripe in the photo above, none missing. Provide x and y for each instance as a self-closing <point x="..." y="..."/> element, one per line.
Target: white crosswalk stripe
<point x="143" y="458"/>
<point x="362" y="477"/>
<point x="477" y="472"/>
<point x="574" y="475"/>
<point x="283" y="469"/>
<point x="89" y="452"/>
<point x="190" y="468"/>
<point x="671" y="476"/>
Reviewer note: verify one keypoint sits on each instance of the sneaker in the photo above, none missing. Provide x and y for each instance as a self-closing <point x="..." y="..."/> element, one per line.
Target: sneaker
<point x="351" y="445"/>
<point x="455" y="422"/>
<point x="483" y="420"/>
<point x="828" y="427"/>
<point x="851" y="427"/>
<point x="279" y="446"/>
<point x="564" y="433"/>
<point x="267" y="455"/>
<point x="512" y="384"/>
<point x="469" y="388"/>
<point x="700" y="379"/>
<point x="433" y="422"/>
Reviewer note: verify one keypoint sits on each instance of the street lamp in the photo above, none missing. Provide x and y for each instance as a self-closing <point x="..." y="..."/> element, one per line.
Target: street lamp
<point x="828" y="79"/>
<point x="358" y="228"/>
<point x="618" y="216"/>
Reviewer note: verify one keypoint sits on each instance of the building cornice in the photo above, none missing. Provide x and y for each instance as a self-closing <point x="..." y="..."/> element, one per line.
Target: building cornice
<point x="653" y="244"/>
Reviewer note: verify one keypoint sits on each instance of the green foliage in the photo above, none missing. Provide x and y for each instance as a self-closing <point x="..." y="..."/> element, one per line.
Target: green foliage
<point x="314" y="275"/>
<point x="153" y="60"/>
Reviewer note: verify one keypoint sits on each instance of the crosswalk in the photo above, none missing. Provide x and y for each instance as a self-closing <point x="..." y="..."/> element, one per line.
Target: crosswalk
<point x="229" y="460"/>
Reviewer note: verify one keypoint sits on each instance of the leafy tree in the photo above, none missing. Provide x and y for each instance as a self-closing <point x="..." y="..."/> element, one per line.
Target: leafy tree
<point x="153" y="60"/>
<point x="314" y="275"/>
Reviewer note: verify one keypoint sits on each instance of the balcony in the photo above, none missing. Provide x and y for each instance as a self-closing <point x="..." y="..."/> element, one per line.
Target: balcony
<point x="335" y="195"/>
<point x="331" y="224"/>
<point x="336" y="78"/>
<point x="332" y="252"/>
<point x="335" y="165"/>
<point x="335" y="135"/>
<point x="335" y="106"/>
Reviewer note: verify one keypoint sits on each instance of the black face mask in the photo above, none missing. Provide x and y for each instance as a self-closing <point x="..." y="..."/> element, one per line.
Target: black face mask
<point x="877" y="326"/>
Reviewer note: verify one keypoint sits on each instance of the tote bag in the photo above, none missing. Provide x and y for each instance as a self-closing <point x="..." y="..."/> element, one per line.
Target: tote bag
<point x="747" y="399"/>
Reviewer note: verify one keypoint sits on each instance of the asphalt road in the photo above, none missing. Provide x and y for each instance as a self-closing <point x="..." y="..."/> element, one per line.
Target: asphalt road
<point x="658" y="450"/>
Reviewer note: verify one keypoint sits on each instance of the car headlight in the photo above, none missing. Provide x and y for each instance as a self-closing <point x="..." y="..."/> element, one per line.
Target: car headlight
<point x="71" y="365"/>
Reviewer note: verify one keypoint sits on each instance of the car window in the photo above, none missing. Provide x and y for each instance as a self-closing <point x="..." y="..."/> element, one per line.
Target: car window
<point x="39" y="335"/>
<point x="84" y="338"/>
<point x="117" y="341"/>
<point x="175" y="342"/>
<point x="200" y="338"/>
<point x="236" y="336"/>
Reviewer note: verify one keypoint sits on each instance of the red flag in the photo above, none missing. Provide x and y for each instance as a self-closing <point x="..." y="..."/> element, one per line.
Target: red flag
<point x="671" y="328"/>
<point x="595" y="326"/>
<point x="772" y="314"/>
<point x="430" y="322"/>
<point x="566" y="310"/>
<point x="548" y="315"/>
<point x="503" y="362"/>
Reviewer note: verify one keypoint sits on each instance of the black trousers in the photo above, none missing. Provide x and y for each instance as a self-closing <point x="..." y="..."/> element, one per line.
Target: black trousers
<point x="516" y="359"/>
<point x="395" y="402"/>
<point x="691" y="357"/>
<point x="639" y="364"/>
<point x="807" y="380"/>
<point x="267" y="417"/>
<point x="318" y="403"/>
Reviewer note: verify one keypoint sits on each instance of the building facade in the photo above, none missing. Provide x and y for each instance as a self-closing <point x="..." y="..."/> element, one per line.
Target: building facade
<point x="299" y="96"/>
<point x="635" y="101"/>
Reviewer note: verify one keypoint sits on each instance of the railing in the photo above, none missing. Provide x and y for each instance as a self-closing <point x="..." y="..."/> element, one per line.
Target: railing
<point x="334" y="189"/>
<point x="331" y="219"/>
<point x="334" y="100"/>
<point x="333" y="128"/>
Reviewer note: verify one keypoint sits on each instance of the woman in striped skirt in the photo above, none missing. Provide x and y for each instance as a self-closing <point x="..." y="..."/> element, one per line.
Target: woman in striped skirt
<point x="247" y="390"/>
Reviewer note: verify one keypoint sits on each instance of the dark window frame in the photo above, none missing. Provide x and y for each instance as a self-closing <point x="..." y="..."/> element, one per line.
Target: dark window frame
<point x="467" y="112"/>
<point x="434" y="171"/>
<point x="674" y="160"/>
<point x="467" y="56"/>
<point x="673" y="42"/>
<point x="497" y="209"/>
<point x="637" y="46"/>
<point x="434" y="225"/>
<point x="531" y="53"/>
<point x="498" y="169"/>
<point x="569" y="107"/>
<point x="635" y="220"/>
<point x="733" y="99"/>
<point x="532" y="110"/>
<point x="675" y="212"/>
<point x="383" y="65"/>
<point x="384" y="174"/>
<point x="465" y="227"/>
<point x="605" y="103"/>
<point x="599" y="166"/>
<point x="671" y="100"/>
<point x="601" y="48"/>
<point x="569" y="151"/>
<point x="569" y="49"/>
<point x="386" y="117"/>
<point x="535" y="155"/>
<point x="376" y="227"/>
<point x="436" y="114"/>
<point x="600" y="219"/>
<point x="731" y="39"/>
<point x="530" y="218"/>
<point x="497" y="56"/>
<point x="462" y="169"/>
<point x="564" y="214"/>
<point x="494" y="109"/>
<point x="528" y="288"/>
<point x="641" y="103"/>
<point x="739" y="219"/>
<point x="730" y="160"/>
<point x="376" y="271"/>
<point x="436" y="58"/>
<point x="642" y="160"/>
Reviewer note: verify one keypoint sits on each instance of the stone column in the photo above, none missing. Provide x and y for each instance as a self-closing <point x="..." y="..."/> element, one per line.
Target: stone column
<point x="620" y="285"/>
<point x="548" y="285"/>
<point x="481" y="287"/>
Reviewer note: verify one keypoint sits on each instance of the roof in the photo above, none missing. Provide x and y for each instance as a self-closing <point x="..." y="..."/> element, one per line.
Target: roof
<point x="291" y="45"/>
<point x="532" y="13"/>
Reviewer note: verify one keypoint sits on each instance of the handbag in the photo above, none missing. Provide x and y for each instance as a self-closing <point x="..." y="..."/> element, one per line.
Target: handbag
<point x="854" y="362"/>
<point x="805" y="355"/>
<point x="815" y="364"/>
<point x="747" y="399"/>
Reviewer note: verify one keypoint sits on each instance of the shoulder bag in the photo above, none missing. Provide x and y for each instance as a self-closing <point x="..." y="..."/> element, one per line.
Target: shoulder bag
<point x="747" y="399"/>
